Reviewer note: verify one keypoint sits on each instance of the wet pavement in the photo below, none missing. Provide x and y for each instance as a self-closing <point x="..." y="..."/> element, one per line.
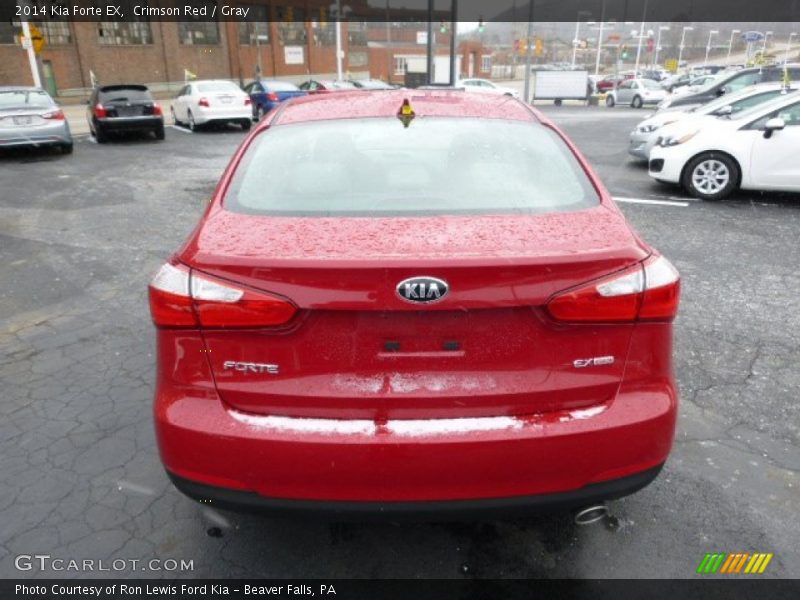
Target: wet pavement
<point x="80" y="237"/>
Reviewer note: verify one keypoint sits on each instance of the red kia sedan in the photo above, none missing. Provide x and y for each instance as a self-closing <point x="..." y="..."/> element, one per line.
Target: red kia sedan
<point x="412" y="301"/>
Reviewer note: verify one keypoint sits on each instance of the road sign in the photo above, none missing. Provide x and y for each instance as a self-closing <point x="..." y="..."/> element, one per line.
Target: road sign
<point x="752" y="36"/>
<point x="38" y="39"/>
<point x="614" y="37"/>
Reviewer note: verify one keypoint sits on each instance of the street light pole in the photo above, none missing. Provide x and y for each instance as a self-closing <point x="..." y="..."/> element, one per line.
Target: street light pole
<point x="641" y="36"/>
<point x="683" y="40"/>
<point x="788" y="48"/>
<point x="711" y="34"/>
<point x="575" y="40"/>
<point x="764" y="47"/>
<point x="658" y="44"/>
<point x="730" y="45"/>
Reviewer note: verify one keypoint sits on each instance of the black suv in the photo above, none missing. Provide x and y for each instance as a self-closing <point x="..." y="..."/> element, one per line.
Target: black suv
<point x="733" y="82"/>
<point x="123" y="108"/>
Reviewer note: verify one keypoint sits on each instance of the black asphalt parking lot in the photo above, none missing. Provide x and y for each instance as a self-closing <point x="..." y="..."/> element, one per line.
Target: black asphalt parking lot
<point x="81" y="235"/>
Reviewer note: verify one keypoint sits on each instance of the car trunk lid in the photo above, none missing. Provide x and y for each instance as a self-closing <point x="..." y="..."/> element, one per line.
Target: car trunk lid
<point x="356" y="349"/>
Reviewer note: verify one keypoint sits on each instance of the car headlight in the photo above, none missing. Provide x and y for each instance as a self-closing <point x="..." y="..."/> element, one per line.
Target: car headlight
<point x="676" y="140"/>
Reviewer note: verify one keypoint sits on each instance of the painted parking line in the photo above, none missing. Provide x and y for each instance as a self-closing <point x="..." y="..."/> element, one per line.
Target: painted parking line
<point x="649" y="201"/>
<point x="181" y="129"/>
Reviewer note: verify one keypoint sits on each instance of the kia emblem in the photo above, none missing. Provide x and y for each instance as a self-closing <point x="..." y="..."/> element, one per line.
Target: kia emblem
<point x="422" y="290"/>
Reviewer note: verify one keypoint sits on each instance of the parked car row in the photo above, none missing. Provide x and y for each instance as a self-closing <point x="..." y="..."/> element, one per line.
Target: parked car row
<point x="744" y="139"/>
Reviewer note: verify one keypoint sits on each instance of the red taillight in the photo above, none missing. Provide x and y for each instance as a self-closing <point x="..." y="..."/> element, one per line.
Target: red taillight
<point x="180" y="298"/>
<point x="99" y="111"/>
<point x="57" y="114"/>
<point x="272" y="97"/>
<point x="248" y="101"/>
<point x="157" y="110"/>
<point x="648" y="292"/>
<point x="203" y="102"/>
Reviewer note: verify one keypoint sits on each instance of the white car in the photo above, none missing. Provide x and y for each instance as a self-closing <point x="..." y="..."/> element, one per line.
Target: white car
<point x="484" y="86"/>
<point x="644" y="136"/>
<point x="756" y="149"/>
<point x="212" y="101"/>
<point x="636" y="93"/>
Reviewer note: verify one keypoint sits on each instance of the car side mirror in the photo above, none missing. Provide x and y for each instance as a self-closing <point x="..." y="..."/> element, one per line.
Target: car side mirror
<point x="721" y="92"/>
<point x="773" y="125"/>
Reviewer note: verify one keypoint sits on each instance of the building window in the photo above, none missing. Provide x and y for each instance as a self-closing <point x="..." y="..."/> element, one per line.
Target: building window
<point x="357" y="33"/>
<point x="324" y="30"/>
<point x="291" y="25"/>
<point x="132" y="33"/>
<point x="486" y="62"/>
<point x="56" y="33"/>
<point x="8" y="33"/>
<point x="256" y="27"/>
<point x="195" y="31"/>
<point x="399" y="65"/>
<point x="357" y="59"/>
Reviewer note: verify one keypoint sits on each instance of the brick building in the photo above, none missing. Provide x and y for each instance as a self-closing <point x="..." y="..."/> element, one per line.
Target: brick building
<point x="283" y="38"/>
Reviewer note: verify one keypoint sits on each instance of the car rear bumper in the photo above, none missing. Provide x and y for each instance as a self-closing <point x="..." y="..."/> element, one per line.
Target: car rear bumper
<point x="516" y="506"/>
<point x="56" y="133"/>
<point x="201" y="117"/>
<point x="268" y="461"/>
<point x="144" y="123"/>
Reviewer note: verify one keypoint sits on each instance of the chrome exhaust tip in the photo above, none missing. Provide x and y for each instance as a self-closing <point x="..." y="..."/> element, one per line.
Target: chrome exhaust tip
<point x="591" y="514"/>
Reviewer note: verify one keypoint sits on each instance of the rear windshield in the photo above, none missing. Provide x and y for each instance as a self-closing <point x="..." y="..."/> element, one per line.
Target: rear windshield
<point x="217" y="86"/>
<point x="125" y="94"/>
<point x="281" y="86"/>
<point x="435" y="166"/>
<point x="24" y="99"/>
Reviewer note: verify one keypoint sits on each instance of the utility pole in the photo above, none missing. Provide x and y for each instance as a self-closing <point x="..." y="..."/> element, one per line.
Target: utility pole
<point x="430" y="42"/>
<point x="339" y="40"/>
<point x="26" y="32"/>
<point x="453" y="33"/>
<point x="528" y="50"/>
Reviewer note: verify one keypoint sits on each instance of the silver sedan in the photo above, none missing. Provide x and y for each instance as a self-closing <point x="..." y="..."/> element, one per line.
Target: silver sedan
<point x="30" y="117"/>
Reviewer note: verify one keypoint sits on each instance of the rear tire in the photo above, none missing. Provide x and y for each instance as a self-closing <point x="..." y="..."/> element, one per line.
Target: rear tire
<point x="260" y="112"/>
<point x="192" y="124"/>
<point x="66" y="148"/>
<point x="610" y="102"/>
<point x="175" y="120"/>
<point x="100" y="136"/>
<point x="637" y="102"/>
<point x="246" y="125"/>
<point x="711" y="176"/>
<point x="159" y="132"/>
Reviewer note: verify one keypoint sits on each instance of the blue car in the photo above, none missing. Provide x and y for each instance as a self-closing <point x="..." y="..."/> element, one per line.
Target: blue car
<point x="267" y="94"/>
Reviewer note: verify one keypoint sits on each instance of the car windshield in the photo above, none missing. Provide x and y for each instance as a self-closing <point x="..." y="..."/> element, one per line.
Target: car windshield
<point x="755" y="111"/>
<point x="340" y="85"/>
<point x="24" y="99"/>
<point x="724" y="100"/>
<point x="217" y="86"/>
<point x="435" y="165"/>
<point x="649" y="84"/>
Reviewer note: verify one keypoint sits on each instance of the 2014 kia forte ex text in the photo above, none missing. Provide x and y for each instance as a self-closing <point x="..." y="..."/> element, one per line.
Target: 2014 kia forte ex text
<point x="412" y="301"/>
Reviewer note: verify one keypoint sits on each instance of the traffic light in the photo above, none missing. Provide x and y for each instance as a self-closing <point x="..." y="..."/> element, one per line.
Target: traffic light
<point x="481" y="26"/>
<point x="624" y="51"/>
<point x="443" y="26"/>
